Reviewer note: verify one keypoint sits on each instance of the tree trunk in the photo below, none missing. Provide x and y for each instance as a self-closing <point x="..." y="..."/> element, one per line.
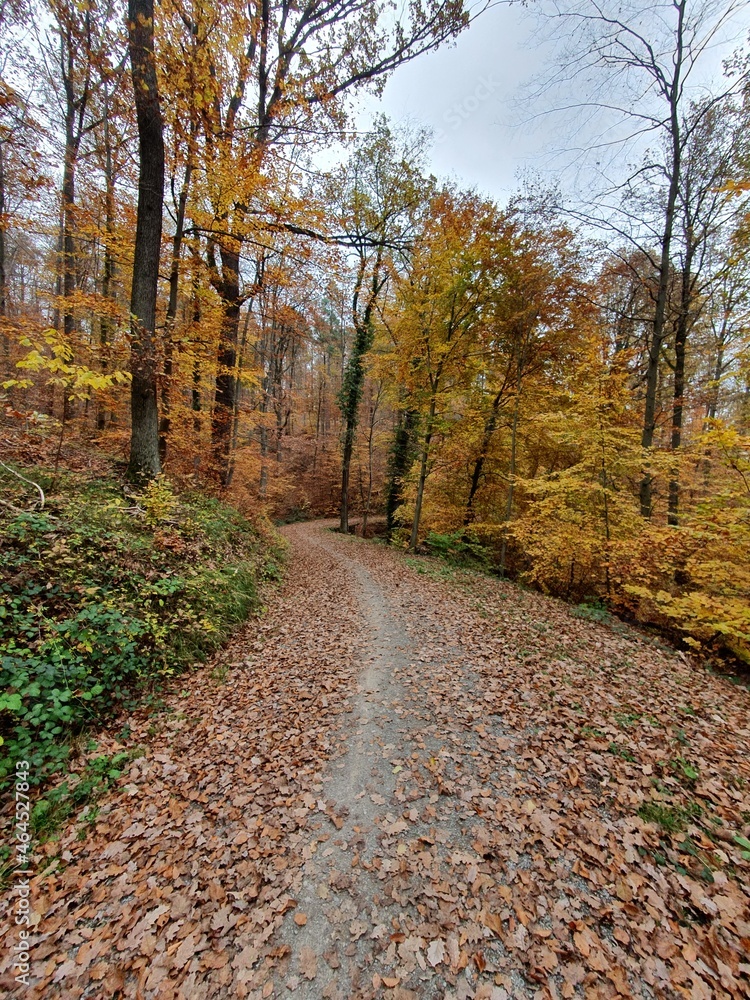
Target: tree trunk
<point x="144" y="443"/>
<point x="72" y="142"/>
<point x="660" y="312"/>
<point x="106" y="326"/>
<point x="346" y="462"/>
<point x="490" y="426"/>
<point x="3" y="273"/>
<point x="226" y="381"/>
<point x="713" y="404"/>
<point x="680" y="343"/>
<point x="351" y="394"/>
<point x="422" y="476"/>
<point x="398" y="467"/>
<point x="68" y="206"/>
<point x="513" y="456"/>
<point x="263" y="410"/>
<point x="195" y="392"/>
<point x="237" y="401"/>
<point x="165" y="422"/>
<point x="370" y="451"/>
<point x="354" y="375"/>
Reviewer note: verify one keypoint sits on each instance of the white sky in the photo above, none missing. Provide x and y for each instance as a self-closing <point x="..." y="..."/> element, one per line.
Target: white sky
<point x="463" y="93"/>
<point x="469" y="95"/>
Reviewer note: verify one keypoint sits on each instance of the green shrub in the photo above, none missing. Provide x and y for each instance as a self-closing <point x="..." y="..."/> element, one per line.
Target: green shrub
<point x="103" y="597"/>
<point x="459" y="548"/>
<point x="593" y="610"/>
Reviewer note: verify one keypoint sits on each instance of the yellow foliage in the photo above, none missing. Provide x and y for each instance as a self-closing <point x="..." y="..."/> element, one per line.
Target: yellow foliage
<point x="53" y="359"/>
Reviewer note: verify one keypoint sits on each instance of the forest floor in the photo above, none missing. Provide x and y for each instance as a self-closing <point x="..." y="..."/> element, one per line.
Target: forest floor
<point x="406" y="781"/>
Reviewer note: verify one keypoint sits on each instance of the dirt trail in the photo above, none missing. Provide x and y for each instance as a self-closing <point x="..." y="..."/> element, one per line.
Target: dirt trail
<point x="415" y="784"/>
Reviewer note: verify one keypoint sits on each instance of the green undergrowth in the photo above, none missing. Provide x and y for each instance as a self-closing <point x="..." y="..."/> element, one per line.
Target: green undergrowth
<point x="461" y="549"/>
<point x="105" y="597"/>
<point x="79" y="791"/>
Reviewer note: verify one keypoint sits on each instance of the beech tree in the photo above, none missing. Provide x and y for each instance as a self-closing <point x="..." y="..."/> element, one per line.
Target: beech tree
<point x="20" y="174"/>
<point x="144" y="442"/>
<point x="643" y="58"/>
<point x="706" y="212"/>
<point x="440" y="303"/>
<point x="272" y="75"/>
<point x="380" y="192"/>
<point x="13" y="115"/>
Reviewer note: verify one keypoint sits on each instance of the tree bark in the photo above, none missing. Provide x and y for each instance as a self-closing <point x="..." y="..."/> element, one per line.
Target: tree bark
<point x="680" y="343"/>
<point x="422" y="475"/>
<point x="226" y="380"/>
<point x="73" y="38"/>
<point x="490" y="426"/>
<point x="398" y="467"/>
<point x="513" y="458"/>
<point x="106" y="325"/>
<point x="144" y="442"/>
<point x="165" y="423"/>
<point x="713" y="404"/>
<point x="354" y="377"/>
<point x="3" y="272"/>
<point x="370" y="452"/>
<point x="68" y="207"/>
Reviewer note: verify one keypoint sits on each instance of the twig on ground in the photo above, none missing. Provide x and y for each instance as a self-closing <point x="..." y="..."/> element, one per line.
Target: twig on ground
<point x="25" y="480"/>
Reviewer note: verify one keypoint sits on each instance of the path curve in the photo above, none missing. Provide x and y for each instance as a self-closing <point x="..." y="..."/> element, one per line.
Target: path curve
<point x="411" y="784"/>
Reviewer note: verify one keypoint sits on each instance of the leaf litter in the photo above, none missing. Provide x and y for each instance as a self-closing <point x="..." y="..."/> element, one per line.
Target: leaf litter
<point x="413" y="788"/>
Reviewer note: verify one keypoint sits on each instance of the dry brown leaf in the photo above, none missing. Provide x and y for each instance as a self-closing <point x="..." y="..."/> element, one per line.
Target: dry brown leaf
<point x="436" y="952"/>
<point x="308" y="962"/>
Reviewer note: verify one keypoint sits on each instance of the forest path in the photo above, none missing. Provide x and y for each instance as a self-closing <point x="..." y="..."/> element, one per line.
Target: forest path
<point x="413" y="783"/>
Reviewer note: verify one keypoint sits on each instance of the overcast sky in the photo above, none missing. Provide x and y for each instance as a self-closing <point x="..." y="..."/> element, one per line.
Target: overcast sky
<point x="463" y="93"/>
<point x="470" y="95"/>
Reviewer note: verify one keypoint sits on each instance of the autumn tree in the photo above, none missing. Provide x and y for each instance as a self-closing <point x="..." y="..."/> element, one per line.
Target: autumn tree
<point x="441" y="301"/>
<point x="579" y="511"/>
<point x="144" y="443"/>
<point x="707" y="212"/>
<point x="109" y="149"/>
<point x="644" y="58"/>
<point x="76" y="57"/>
<point x="538" y="308"/>
<point x="378" y="195"/>
<point x="21" y="172"/>
<point x="272" y="76"/>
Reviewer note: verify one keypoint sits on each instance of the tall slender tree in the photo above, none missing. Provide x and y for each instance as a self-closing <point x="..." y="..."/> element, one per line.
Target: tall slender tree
<point x="144" y="442"/>
<point x="381" y="192"/>
<point x="643" y="58"/>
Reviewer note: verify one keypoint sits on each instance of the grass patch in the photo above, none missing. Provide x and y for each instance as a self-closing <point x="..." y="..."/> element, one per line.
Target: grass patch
<point x="673" y="819"/>
<point x="620" y="751"/>
<point x="57" y="805"/>
<point x="459" y="549"/>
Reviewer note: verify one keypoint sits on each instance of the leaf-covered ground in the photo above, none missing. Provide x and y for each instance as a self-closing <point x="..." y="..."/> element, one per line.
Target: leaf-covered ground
<point x="410" y="787"/>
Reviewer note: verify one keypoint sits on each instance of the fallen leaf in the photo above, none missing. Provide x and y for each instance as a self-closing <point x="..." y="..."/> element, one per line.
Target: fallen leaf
<point x="436" y="952"/>
<point x="308" y="962"/>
